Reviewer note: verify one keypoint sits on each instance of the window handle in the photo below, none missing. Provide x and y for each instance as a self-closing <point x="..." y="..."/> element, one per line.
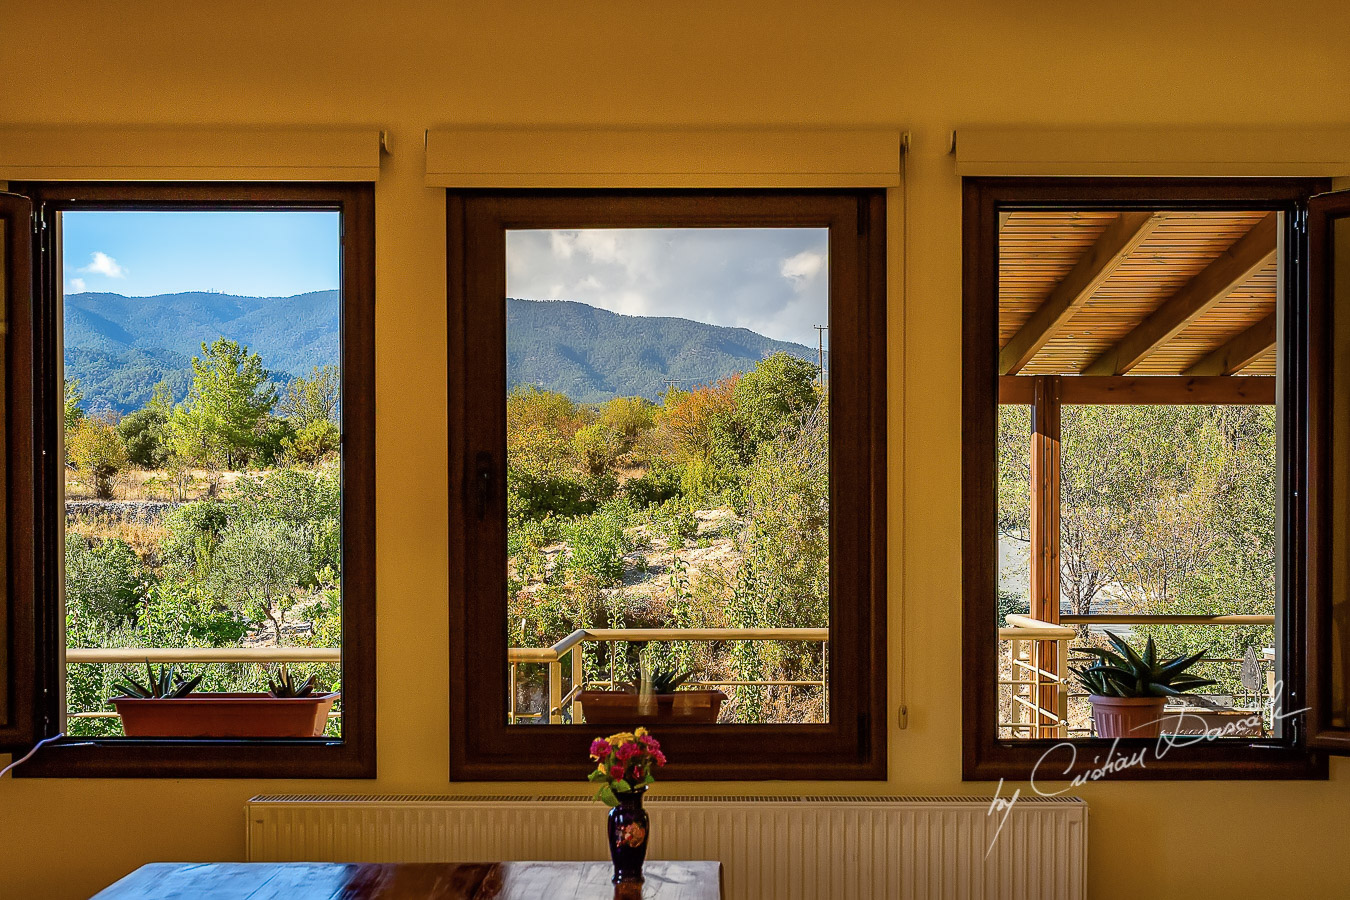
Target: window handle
<point x="483" y="476"/>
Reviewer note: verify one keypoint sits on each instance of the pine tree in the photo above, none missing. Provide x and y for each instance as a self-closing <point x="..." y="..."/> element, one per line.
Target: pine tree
<point x="220" y="421"/>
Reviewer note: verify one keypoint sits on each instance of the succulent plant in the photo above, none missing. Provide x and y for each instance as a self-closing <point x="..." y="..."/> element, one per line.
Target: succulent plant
<point x="1128" y="674"/>
<point x="164" y="684"/>
<point x="660" y="681"/>
<point x="284" y="686"/>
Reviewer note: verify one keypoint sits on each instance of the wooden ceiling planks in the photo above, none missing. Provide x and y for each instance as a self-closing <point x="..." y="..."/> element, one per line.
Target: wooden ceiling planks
<point x="1039" y="249"/>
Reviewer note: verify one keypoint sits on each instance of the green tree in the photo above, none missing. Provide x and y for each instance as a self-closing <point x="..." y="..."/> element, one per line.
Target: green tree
<point x="96" y="449"/>
<point x="773" y="395"/>
<point x="262" y="566"/>
<point x="74" y="404"/>
<point x="143" y="431"/>
<point x="221" y="420"/>
<point x="312" y="399"/>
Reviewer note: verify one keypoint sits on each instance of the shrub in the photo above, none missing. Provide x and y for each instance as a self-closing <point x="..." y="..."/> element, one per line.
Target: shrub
<point x="597" y="543"/>
<point x="191" y="533"/>
<point x="658" y="484"/>
<point x="105" y="582"/>
<point x="312" y="442"/>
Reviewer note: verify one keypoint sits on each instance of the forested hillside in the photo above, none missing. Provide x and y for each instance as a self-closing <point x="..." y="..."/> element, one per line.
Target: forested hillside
<point x="118" y="348"/>
<point x="592" y="355"/>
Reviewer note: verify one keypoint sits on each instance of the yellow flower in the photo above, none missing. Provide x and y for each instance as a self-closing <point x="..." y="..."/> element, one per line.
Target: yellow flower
<point x="640" y="731"/>
<point x="623" y="737"/>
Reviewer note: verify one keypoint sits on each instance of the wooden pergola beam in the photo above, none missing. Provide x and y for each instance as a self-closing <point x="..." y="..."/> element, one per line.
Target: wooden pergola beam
<point x="1125" y="233"/>
<point x="1239" y="352"/>
<point x="1248" y="255"/>
<point x="1146" y="390"/>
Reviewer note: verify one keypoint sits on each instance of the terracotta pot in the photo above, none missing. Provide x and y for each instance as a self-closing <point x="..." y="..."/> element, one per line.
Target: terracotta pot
<point x="1127" y="717"/>
<point x="624" y="708"/>
<point x="222" y="715"/>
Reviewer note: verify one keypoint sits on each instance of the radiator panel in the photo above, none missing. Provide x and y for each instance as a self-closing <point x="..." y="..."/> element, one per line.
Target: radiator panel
<point x="780" y="848"/>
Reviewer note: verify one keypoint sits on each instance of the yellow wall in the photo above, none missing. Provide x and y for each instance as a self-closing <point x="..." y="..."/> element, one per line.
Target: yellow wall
<point x="702" y="62"/>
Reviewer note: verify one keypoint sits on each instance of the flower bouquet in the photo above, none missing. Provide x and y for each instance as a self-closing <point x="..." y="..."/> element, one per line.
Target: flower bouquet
<point x="624" y="768"/>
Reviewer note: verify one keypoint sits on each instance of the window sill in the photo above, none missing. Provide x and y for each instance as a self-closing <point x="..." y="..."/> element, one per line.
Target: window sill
<point x="158" y="758"/>
<point x="1210" y="761"/>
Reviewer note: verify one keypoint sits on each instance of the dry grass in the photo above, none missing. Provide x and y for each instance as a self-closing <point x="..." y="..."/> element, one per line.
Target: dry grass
<point x="151" y="484"/>
<point x="143" y="538"/>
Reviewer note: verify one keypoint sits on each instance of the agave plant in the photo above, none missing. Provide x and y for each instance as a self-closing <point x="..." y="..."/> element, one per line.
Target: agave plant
<point x="660" y="681"/>
<point x="164" y="684"/>
<point x="1128" y="674"/>
<point x="284" y="686"/>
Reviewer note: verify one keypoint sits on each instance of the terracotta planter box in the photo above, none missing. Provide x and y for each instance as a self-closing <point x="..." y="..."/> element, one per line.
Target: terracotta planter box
<point x="1127" y="717"/>
<point x="623" y="708"/>
<point x="222" y="715"/>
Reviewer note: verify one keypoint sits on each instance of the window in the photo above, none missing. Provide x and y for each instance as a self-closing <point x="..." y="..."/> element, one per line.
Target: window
<point x="1136" y="463"/>
<point x="659" y="402"/>
<point x="203" y="498"/>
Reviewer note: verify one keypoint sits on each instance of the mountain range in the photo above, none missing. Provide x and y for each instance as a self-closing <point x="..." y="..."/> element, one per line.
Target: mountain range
<point x="593" y="354"/>
<point x="120" y="347"/>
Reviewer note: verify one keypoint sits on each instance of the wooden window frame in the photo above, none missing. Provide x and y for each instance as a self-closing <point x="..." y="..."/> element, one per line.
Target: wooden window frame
<point x="853" y="744"/>
<point x="352" y="756"/>
<point x="984" y="755"/>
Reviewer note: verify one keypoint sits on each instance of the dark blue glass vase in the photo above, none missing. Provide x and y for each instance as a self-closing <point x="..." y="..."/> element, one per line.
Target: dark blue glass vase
<point x="628" y="831"/>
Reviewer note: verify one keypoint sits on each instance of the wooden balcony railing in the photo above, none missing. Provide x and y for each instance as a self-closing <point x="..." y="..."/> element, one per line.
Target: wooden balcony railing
<point x="262" y="656"/>
<point x="560" y="701"/>
<point x="1040" y="693"/>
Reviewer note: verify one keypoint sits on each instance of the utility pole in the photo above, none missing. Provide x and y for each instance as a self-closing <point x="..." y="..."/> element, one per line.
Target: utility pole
<point x="820" y="350"/>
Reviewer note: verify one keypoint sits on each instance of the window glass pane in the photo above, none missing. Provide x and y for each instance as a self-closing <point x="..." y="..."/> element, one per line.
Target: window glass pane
<point x="1014" y="511"/>
<point x="668" y="470"/>
<point x="1169" y="511"/>
<point x="4" y="466"/>
<point x="1135" y="500"/>
<point x="202" y="423"/>
<point x="1339" y="705"/>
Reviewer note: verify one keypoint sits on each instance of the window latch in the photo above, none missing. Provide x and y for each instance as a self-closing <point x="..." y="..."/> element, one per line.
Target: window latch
<point x="483" y="479"/>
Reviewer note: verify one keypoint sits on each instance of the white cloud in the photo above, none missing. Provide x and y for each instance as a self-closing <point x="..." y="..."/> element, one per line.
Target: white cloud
<point x="76" y="285"/>
<point x="771" y="280"/>
<point x="101" y="263"/>
<point x="802" y="268"/>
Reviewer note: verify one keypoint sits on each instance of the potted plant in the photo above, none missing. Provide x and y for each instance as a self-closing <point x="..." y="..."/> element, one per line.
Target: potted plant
<point x="625" y="766"/>
<point x="166" y="706"/>
<point x="1128" y="690"/>
<point x="654" y="698"/>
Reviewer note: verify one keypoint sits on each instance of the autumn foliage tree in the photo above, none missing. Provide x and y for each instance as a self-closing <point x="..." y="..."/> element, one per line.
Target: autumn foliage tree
<point x="97" y="450"/>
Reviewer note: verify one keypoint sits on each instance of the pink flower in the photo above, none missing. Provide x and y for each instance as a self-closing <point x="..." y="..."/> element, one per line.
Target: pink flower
<point x="660" y="758"/>
<point x="651" y="742"/>
<point x="627" y="752"/>
<point x="599" y="747"/>
<point x="616" y="772"/>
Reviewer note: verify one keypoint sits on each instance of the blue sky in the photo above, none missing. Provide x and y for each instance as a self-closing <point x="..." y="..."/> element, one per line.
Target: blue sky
<point x="251" y="254"/>
<point x="774" y="281"/>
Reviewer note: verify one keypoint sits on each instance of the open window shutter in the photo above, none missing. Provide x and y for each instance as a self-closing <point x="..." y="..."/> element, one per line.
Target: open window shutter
<point x="1329" y="472"/>
<point x="18" y="720"/>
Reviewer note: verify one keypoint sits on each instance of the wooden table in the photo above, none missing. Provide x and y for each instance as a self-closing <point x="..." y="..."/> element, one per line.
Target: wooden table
<point x="413" y="881"/>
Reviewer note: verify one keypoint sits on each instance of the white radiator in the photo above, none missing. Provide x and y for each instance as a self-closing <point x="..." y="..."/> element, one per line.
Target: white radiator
<point x="775" y="848"/>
